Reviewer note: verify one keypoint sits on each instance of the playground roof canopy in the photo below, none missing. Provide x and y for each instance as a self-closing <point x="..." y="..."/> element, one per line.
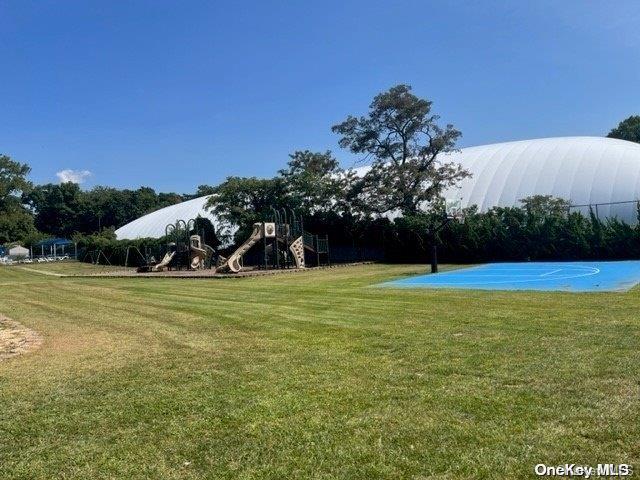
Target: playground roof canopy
<point x="49" y="242"/>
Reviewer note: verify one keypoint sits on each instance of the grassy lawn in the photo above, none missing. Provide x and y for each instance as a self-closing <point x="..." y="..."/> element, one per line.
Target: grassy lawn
<point x="66" y="267"/>
<point x="313" y="375"/>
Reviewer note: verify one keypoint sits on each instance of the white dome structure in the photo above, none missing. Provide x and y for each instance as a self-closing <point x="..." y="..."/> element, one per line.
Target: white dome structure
<point x="589" y="172"/>
<point x="153" y="224"/>
<point x="600" y="172"/>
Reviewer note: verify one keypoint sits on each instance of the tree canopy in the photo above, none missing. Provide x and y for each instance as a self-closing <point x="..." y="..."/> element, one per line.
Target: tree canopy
<point x="64" y="209"/>
<point x="241" y="201"/>
<point x="627" y="129"/>
<point x="402" y="139"/>
<point x="16" y="221"/>
<point x="315" y="182"/>
<point x="13" y="183"/>
<point x="312" y="184"/>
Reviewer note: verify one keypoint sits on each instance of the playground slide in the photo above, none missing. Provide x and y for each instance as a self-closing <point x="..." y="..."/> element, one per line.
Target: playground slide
<point x="233" y="263"/>
<point x="165" y="261"/>
<point x="198" y="257"/>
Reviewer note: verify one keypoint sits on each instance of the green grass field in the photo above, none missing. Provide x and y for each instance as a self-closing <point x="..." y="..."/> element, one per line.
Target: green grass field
<point x="313" y="375"/>
<point x="67" y="268"/>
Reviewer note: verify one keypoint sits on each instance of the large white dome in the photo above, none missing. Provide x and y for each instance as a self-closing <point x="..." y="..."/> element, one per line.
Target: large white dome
<point x="582" y="170"/>
<point x="153" y="224"/>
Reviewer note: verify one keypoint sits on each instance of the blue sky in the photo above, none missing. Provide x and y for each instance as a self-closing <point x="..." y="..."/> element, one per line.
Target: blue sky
<point x="176" y="94"/>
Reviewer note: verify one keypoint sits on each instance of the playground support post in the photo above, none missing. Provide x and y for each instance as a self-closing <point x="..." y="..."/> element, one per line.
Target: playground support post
<point x="264" y="246"/>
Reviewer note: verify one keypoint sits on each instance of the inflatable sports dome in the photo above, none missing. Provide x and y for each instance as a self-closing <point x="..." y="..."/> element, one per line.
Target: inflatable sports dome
<point x="602" y="174"/>
<point x="597" y="173"/>
<point x="153" y="224"/>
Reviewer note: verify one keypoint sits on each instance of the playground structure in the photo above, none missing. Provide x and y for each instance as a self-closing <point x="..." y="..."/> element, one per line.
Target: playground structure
<point x="184" y="250"/>
<point x="285" y="244"/>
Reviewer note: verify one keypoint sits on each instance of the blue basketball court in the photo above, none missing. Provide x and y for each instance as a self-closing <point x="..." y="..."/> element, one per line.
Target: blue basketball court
<point x="546" y="276"/>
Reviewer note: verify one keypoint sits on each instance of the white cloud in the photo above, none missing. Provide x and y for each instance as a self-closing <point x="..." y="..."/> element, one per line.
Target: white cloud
<point x="74" y="176"/>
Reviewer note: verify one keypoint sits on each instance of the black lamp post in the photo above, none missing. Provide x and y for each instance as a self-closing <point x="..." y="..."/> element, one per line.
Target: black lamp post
<point x="434" y="249"/>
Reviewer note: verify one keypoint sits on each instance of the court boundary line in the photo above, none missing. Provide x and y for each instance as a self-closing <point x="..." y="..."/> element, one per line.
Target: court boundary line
<point x="405" y="283"/>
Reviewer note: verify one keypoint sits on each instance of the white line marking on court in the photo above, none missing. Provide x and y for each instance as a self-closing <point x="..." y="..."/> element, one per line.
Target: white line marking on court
<point x="551" y="273"/>
<point x="588" y="271"/>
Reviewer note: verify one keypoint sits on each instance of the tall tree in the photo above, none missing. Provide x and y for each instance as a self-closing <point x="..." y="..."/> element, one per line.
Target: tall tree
<point x="16" y="222"/>
<point x="315" y="182"/>
<point x="240" y="201"/>
<point x="59" y="208"/>
<point x="13" y="183"/>
<point x="403" y="140"/>
<point x="627" y="129"/>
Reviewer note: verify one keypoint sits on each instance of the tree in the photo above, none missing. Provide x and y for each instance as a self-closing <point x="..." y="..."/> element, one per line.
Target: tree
<point x="203" y="190"/>
<point x="65" y="209"/>
<point x="59" y="208"/>
<point x="315" y="182"/>
<point x="16" y="222"/>
<point x="109" y="207"/>
<point x="13" y="183"/>
<point x="628" y="129"/>
<point x="167" y="199"/>
<point x="16" y="226"/>
<point x="240" y="201"/>
<point x="105" y="207"/>
<point x="403" y="139"/>
<point x="545" y="206"/>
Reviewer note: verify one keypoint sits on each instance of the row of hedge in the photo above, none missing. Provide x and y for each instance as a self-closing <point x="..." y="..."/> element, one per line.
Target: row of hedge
<point x="502" y="234"/>
<point x="513" y="234"/>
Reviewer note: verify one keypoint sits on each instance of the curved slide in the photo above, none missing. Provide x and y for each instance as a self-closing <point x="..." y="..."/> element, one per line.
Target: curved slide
<point x="233" y="263"/>
<point x="163" y="264"/>
<point x="198" y="256"/>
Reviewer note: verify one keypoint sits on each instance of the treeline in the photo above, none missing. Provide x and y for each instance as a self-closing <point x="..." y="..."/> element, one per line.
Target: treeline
<point x="540" y="229"/>
<point x="30" y="212"/>
<point x="65" y="209"/>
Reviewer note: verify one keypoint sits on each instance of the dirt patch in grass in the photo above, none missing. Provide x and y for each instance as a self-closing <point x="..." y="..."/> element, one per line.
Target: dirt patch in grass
<point x="16" y="339"/>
